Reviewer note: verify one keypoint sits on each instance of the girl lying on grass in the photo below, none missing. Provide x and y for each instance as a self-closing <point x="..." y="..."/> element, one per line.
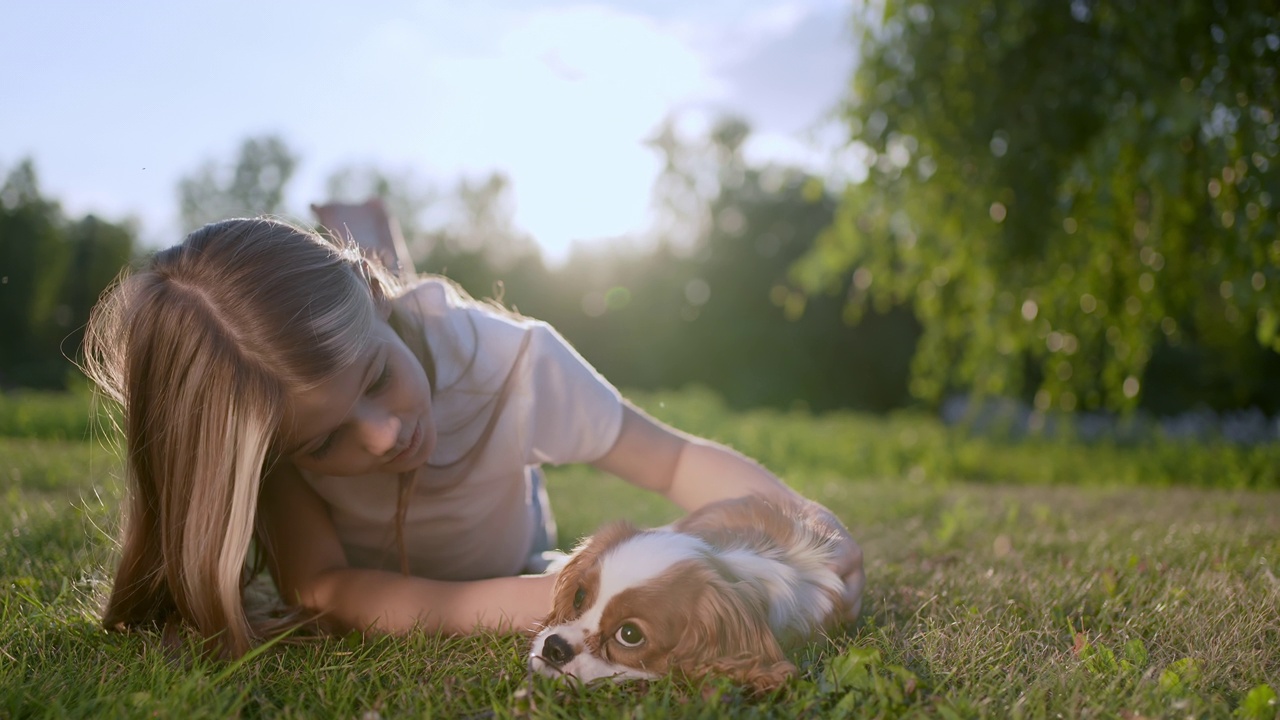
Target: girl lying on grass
<point x="374" y="443"/>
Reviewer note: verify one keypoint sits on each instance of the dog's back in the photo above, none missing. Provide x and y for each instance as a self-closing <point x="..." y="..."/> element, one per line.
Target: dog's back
<point x="779" y="549"/>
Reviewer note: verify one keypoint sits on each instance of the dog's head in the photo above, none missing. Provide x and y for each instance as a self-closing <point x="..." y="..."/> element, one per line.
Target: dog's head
<point x="642" y="604"/>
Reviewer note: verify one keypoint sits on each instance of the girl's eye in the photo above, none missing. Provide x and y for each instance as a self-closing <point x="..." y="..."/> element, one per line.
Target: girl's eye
<point x="579" y="598"/>
<point x="323" y="448"/>
<point x="629" y="635"/>
<point x="382" y="380"/>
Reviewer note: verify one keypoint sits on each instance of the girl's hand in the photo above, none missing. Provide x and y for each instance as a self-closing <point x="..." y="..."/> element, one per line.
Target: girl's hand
<point x="692" y="472"/>
<point x="848" y="560"/>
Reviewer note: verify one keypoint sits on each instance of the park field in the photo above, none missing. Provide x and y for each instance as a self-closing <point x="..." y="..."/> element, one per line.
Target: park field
<point x="1005" y="578"/>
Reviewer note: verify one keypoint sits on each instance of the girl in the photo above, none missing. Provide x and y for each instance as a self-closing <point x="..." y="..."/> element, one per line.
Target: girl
<point x="374" y="443"/>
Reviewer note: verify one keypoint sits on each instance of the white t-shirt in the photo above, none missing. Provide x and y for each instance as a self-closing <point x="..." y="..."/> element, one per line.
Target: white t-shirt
<point x="475" y="519"/>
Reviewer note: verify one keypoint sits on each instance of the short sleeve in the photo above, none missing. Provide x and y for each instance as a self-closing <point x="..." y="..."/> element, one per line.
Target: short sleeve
<point x="574" y="414"/>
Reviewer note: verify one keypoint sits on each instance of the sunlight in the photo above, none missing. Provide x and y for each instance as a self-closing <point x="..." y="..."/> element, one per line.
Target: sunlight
<point x="572" y="124"/>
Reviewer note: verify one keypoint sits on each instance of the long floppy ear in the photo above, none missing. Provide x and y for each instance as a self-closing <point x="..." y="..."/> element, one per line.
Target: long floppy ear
<point x="581" y="566"/>
<point x="728" y="634"/>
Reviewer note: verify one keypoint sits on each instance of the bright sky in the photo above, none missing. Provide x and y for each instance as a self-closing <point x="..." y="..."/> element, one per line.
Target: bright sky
<point x="115" y="101"/>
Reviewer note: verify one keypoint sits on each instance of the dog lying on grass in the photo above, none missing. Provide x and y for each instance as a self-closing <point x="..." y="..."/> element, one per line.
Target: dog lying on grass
<point x="722" y="591"/>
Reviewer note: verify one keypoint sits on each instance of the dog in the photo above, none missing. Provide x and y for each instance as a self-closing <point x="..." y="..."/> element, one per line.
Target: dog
<point x="722" y="591"/>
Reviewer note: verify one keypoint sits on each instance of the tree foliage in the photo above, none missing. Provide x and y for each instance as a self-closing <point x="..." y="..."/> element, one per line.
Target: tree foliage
<point x="253" y="185"/>
<point x="480" y="221"/>
<point x="1065" y="190"/>
<point x="51" y="272"/>
<point x="708" y="304"/>
<point x="746" y="334"/>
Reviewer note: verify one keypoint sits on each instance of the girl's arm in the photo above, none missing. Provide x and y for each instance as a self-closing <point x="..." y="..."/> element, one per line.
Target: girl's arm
<point x="688" y="470"/>
<point x="311" y="571"/>
<point x="692" y="472"/>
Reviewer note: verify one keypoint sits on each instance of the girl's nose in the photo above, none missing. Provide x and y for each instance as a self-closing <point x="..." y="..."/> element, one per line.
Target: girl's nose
<point x="379" y="431"/>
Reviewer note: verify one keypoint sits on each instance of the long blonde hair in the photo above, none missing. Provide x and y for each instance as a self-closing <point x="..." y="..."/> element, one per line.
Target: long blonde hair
<point x="202" y="349"/>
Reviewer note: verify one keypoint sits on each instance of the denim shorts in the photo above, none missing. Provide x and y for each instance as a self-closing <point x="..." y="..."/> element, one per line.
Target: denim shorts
<point x="542" y="551"/>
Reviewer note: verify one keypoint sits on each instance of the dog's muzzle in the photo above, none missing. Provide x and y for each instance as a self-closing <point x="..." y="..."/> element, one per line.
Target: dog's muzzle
<point x="556" y="650"/>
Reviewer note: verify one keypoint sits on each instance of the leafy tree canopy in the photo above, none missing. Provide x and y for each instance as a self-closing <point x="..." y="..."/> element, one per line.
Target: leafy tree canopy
<point x="253" y="186"/>
<point x="1063" y="189"/>
<point x="52" y="270"/>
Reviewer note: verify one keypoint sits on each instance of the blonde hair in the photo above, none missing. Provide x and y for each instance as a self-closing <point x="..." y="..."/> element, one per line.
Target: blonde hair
<point x="202" y="348"/>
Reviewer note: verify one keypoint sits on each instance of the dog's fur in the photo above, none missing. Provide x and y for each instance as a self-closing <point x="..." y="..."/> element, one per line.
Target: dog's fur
<point x="721" y="591"/>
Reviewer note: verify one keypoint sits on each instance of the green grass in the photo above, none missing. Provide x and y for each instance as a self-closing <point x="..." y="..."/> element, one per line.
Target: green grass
<point x="1034" y="579"/>
<point x="51" y="415"/>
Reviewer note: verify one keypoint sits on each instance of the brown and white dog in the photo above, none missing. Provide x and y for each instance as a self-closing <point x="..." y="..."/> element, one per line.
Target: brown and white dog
<point x="721" y="591"/>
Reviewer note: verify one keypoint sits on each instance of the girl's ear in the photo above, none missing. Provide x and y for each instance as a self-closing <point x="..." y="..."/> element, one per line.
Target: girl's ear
<point x="729" y="635"/>
<point x="375" y="278"/>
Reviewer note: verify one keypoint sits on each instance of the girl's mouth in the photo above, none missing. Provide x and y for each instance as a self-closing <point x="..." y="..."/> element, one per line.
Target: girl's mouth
<point x="414" y="442"/>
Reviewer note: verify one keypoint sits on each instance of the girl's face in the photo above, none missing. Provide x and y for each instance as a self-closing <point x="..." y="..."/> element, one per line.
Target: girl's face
<point x="373" y="417"/>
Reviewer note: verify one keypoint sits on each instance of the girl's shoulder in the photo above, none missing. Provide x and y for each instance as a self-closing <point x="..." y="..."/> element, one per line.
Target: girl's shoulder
<point x="435" y="296"/>
<point x="474" y="343"/>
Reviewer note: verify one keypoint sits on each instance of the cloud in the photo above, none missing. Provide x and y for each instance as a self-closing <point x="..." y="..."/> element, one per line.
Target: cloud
<point x="559" y="95"/>
<point x="558" y="98"/>
<point x="795" y="72"/>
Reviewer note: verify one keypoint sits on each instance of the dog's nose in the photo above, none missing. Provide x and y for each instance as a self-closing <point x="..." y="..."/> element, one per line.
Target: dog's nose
<point x="556" y="650"/>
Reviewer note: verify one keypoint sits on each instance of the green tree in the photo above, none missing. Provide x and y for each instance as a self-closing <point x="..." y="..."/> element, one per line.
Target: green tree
<point x="33" y="258"/>
<point x="479" y="245"/>
<point x="483" y="220"/>
<point x="758" y="221"/>
<point x="1064" y="189"/>
<point x="254" y="185"/>
<point x="51" y="273"/>
<point x="98" y="250"/>
<point x="709" y="304"/>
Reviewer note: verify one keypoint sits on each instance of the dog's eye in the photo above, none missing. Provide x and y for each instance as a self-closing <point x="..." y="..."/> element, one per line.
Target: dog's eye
<point x="629" y="635"/>
<point x="579" y="598"/>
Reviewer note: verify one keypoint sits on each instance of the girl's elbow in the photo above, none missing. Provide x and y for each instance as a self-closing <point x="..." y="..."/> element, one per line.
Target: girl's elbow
<point x="315" y="592"/>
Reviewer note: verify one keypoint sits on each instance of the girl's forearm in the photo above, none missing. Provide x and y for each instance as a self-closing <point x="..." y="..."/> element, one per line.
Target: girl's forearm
<point x="381" y="601"/>
<point x="706" y="472"/>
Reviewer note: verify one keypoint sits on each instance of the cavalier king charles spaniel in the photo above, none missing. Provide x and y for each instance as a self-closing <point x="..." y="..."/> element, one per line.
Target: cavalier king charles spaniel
<point x="721" y="591"/>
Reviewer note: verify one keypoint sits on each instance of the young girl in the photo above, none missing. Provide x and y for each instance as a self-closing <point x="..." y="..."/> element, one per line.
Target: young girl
<point x="378" y="441"/>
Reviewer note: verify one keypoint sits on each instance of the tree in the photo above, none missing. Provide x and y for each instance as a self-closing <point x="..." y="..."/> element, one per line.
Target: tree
<point x="479" y="245"/>
<point x="32" y="262"/>
<point x="255" y="185"/>
<point x="1065" y="189"/>
<point x="483" y="220"/>
<point x="759" y="220"/>
<point x="51" y="273"/>
<point x="709" y="304"/>
<point x="98" y="250"/>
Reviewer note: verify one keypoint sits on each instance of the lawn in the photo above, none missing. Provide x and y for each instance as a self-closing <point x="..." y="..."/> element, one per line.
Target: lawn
<point x="1028" y="578"/>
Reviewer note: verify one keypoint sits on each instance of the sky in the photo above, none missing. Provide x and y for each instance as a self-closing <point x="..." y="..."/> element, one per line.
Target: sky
<point x="116" y="101"/>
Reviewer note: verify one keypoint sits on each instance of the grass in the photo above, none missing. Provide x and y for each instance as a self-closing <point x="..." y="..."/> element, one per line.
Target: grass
<point x="1030" y="579"/>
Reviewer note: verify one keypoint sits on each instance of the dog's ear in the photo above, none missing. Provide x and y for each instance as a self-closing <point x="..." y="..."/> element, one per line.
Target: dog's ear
<point x="757" y="674"/>
<point x="581" y="573"/>
<point x="728" y="634"/>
